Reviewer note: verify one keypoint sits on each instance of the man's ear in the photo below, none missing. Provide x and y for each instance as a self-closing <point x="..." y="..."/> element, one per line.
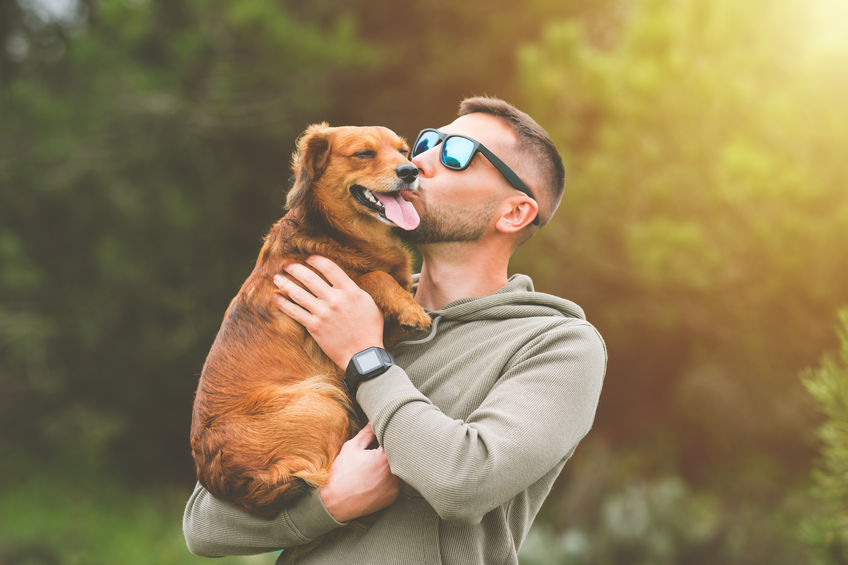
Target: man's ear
<point x="516" y="213"/>
<point x="309" y="161"/>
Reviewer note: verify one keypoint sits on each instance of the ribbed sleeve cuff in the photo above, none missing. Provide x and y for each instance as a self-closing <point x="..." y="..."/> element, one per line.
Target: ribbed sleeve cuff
<point x="308" y="518"/>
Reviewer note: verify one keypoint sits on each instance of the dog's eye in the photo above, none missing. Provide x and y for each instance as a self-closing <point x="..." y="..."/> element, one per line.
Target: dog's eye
<point x="365" y="154"/>
<point x="404" y="151"/>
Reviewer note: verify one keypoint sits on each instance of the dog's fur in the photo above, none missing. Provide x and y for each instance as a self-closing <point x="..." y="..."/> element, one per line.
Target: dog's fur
<point x="271" y="412"/>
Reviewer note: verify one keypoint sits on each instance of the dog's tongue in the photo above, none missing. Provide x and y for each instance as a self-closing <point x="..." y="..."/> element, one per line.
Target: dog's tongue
<point x="398" y="210"/>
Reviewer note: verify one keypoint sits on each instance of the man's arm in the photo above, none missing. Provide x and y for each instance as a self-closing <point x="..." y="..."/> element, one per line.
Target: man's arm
<point x="533" y="419"/>
<point x="214" y="528"/>
<point x="360" y="483"/>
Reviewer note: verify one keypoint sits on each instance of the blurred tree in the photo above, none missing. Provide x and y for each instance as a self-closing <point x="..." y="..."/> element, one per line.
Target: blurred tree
<point x="434" y="53"/>
<point x="144" y="152"/>
<point x="704" y="222"/>
<point x="827" y="529"/>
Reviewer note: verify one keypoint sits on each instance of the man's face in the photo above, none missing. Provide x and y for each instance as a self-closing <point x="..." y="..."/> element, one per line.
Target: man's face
<point x="461" y="205"/>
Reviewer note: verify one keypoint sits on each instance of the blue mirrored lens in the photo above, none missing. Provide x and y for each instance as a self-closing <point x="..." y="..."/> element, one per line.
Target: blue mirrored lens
<point x="457" y="152"/>
<point x="425" y="141"/>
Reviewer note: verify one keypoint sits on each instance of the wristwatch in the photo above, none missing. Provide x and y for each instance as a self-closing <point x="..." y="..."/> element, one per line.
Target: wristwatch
<point x="366" y="365"/>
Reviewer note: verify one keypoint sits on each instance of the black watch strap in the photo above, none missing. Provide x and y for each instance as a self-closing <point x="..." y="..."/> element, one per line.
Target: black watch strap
<point x="365" y="365"/>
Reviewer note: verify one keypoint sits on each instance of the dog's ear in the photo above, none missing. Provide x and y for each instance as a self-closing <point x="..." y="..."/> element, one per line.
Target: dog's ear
<point x="309" y="161"/>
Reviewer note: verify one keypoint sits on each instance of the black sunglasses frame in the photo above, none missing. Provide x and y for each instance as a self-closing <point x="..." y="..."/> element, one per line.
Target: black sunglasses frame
<point x="507" y="173"/>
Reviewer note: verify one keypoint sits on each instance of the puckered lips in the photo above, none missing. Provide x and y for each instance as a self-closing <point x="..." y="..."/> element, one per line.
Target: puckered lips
<point x="390" y="206"/>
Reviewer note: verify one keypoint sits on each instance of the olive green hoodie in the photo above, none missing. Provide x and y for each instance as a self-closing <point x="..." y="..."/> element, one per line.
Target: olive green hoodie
<point x="477" y="419"/>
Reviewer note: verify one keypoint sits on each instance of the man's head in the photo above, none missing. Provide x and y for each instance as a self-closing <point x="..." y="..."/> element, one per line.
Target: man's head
<point x="461" y="205"/>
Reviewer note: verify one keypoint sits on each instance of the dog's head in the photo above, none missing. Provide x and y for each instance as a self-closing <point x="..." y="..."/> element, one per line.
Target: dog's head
<point x="354" y="177"/>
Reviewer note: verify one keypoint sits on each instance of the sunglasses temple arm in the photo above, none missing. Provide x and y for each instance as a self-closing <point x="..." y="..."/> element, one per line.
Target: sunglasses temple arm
<point x="509" y="175"/>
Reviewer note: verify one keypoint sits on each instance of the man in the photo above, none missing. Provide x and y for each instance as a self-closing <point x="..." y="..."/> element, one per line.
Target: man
<point x="477" y="416"/>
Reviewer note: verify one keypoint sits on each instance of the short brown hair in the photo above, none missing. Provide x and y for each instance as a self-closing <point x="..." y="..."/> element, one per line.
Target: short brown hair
<point x="533" y="143"/>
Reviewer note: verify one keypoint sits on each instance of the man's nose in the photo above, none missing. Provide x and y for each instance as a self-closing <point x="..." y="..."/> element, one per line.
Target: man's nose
<point x="407" y="172"/>
<point x="424" y="167"/>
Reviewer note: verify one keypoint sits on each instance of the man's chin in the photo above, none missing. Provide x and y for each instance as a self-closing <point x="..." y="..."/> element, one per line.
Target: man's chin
<point x="449" y="226"/>
<point x="410" y="236"/>
<point x="426" y="232"/>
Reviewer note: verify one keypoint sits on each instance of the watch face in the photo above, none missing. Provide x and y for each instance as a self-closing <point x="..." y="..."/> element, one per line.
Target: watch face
<point x="367" y="362"/>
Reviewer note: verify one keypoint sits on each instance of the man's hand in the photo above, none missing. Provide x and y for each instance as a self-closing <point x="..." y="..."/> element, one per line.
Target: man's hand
<point x="341" y="317"/>
<point x="360" y="480"/>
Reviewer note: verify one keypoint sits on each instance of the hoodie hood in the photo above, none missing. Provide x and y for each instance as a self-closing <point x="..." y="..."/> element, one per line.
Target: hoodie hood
<point x="516" y="299"/>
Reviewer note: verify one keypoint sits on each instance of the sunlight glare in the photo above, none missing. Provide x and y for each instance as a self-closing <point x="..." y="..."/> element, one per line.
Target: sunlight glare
<point x="828" y="30"/>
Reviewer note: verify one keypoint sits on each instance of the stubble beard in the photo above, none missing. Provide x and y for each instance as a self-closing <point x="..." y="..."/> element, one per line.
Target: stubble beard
<point x="442" y="223"/>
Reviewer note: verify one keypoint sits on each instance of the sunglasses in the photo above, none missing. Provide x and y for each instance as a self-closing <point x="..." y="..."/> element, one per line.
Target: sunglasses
<point x="458" y="151"/>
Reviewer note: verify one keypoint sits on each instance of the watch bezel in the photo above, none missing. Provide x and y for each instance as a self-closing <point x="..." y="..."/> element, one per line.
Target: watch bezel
<point x="353" y="377"/>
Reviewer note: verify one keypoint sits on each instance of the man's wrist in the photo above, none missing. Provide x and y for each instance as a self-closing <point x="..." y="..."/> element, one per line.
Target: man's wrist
<point x="365" y="365"/>
<point x="359" y="349"/>
<point x="329" y="501"/>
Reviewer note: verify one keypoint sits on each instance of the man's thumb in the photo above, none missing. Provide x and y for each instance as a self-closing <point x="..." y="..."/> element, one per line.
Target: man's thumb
<point x="364" y="438"/>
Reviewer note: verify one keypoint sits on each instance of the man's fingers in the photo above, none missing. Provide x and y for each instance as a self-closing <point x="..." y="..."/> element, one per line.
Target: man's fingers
<point x="292" y="310"/>
<point x="311" y="280"/>
<point x="296" y="293"/>
<point x="332" y="272"/>
<point x="364" y="438"/>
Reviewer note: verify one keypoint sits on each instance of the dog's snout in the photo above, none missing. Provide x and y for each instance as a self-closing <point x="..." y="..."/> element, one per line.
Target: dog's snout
<point x="407" y="172"/>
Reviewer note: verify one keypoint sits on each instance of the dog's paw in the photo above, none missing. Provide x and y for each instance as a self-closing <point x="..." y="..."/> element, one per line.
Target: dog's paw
<point x="414" y="319"/>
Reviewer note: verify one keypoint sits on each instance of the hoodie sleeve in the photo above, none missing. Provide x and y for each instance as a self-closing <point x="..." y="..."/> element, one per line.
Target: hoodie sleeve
<point x="531" y="420"/>
<point x="213" y="528"/>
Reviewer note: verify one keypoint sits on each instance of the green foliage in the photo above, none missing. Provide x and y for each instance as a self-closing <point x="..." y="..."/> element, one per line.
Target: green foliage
<point x="45" y="519"/>
<point x="627" y="505"/>
<point x="432" y="53"/>
<point x="644" y="523"/>
<point x="143" y="154"/>
<point x="145" y="150"/>
<point x="704" y="220"/>
<point x="703" y="229"/>
<point x="826" y="529"/>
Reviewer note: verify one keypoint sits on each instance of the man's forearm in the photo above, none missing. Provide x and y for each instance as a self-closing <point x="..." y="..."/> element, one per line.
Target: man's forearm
<point x="213" y="528"/>
<point x="529" y="423"/>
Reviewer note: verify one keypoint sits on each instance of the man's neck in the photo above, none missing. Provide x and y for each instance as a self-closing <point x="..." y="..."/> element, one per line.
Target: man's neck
<point x="451" y="271"/>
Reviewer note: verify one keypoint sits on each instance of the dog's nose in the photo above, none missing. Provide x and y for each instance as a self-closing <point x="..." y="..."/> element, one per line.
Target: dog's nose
<point x="407" y="172"/>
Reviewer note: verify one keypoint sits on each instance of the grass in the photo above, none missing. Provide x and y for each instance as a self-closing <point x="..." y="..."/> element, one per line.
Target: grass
<point x="46" y="520"/>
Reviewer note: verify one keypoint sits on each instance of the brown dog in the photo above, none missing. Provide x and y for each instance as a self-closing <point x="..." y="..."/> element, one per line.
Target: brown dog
<point x="271" y="411"/>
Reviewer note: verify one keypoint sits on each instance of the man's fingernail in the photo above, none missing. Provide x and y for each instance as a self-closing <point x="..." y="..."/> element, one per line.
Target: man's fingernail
<point x="279" y="280"/>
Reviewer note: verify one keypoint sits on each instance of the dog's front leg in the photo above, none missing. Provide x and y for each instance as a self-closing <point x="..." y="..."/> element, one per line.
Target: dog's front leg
<point x="393" y="300"/>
